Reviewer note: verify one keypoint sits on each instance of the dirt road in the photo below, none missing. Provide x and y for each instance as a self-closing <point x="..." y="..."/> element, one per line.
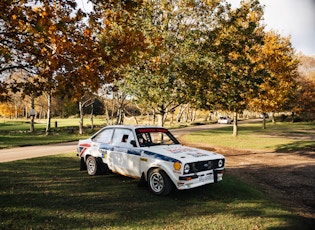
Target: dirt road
<point x="21" y="153"/>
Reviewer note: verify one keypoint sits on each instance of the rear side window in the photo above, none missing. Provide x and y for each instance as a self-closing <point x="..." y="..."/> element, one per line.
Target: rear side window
<point x="122" y="137"/>
<point x="104" y="137"/>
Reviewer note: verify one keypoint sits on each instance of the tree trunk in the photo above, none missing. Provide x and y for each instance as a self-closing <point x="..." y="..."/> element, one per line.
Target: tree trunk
<point x="136" y="120"/>
<point x="26" y="112"/>
<point x="91" y="118"/>
<point x="264" y="120"/>
<point x="107" y="114"/>
<point x="162" y="116"/>
<point x="119" y="116"/>
<point x="194" y="115"/>
<point x="181" y="112"/>
<point x="172" y="117"/>
<point x="154" y="117"/>
<point x="235" y="131"/>
<point x="161" y="119"/>
<point x="273" y="118"/>
<point x="48" y="113"/>
<point x="187" y="113"/>
<point x="32" y="128"/>
<point x="148" y="118"/>
<point x="81" y="118"/>
<point x="292" y="117"/>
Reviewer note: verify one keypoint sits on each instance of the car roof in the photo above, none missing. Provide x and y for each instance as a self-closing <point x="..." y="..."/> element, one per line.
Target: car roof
<point x="133" y="126"/>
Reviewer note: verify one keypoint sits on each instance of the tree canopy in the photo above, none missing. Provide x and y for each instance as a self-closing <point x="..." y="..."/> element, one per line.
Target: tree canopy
<point x="161" y="53"/>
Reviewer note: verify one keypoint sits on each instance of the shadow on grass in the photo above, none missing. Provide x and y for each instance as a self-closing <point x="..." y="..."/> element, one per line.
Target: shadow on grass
<point x="293" y="185"/>
<point x="303" y="148"/>
<point x="51" y="193"/>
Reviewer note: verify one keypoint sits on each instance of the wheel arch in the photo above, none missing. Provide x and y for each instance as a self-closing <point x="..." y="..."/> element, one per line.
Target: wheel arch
<point x="161" y="168"/>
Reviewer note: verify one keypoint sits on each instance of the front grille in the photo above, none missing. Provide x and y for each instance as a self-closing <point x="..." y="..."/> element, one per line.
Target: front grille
<point x="201" y="166"/>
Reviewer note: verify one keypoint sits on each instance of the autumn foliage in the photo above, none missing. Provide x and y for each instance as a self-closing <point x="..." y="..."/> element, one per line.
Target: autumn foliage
<point x="161" y="54"/>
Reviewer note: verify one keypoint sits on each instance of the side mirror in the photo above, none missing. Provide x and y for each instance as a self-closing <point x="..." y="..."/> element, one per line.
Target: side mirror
<point x="133" y="143"/>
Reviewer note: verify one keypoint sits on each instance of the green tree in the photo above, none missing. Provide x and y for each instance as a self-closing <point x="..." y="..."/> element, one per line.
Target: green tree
<point x="121" y="40"/>
<point x="154" y="82"/>
<point x="240" y="37"/>
<point x="199" y="65"/>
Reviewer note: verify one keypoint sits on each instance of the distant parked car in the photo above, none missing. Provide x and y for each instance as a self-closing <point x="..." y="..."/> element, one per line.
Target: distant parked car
<point x="224" y="120"/>
<point x="152" y="154"/>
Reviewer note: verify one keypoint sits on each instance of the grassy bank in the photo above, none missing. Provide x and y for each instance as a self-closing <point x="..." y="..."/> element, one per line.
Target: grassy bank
<point x="51" y="193"/>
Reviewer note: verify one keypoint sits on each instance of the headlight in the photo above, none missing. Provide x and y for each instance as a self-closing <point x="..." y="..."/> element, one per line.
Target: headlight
<point x="186" y="168"/>
<point x="177" y="165"/>
<point x="220" y="163"/>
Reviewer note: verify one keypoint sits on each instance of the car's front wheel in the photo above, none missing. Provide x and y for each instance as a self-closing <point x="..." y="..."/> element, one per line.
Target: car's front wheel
<point x="159" y="182"/>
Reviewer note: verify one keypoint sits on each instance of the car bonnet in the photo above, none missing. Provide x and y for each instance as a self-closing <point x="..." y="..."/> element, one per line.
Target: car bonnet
<point x="182" y="153"/>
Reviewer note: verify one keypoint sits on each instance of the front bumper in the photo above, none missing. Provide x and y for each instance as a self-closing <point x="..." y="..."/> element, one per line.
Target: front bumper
<point x="199" y="179"/>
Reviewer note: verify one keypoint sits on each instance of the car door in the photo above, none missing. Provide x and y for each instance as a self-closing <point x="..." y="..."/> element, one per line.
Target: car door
<point x="124" y="158"/>
<point x="101" y="142"/>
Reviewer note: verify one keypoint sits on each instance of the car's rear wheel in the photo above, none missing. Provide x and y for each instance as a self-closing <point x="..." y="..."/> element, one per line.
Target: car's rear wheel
<point x="92" y="165"/>
<point x="159" y="182"/>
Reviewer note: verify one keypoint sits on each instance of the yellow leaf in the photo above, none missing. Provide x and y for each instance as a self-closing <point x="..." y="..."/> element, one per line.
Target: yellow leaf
<point x="44" y="14"/>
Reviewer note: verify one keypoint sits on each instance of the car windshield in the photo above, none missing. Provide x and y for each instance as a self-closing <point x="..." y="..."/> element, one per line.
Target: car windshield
<point x="155" y="136"/>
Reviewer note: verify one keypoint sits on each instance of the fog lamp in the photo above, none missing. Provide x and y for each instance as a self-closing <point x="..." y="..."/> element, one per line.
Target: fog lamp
<point x="177" y="165"/>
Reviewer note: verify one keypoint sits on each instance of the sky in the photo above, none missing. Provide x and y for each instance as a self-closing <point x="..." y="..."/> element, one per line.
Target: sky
<point x="295" y="18"/>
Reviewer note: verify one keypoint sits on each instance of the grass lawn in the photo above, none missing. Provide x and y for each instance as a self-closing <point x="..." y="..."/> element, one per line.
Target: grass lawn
<point x="276" y="138"/>
<point x="51" y="193"/>
<point x="40" y="124"/>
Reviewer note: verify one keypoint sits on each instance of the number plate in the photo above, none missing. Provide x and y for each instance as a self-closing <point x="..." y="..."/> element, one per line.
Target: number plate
<point x="207" y="177"/>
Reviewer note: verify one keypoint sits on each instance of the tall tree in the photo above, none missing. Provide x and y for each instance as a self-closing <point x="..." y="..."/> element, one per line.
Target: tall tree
<point x="305" y="98"/>
<point x="278" y="89"/>
<point x="121" y="40"/>
<point x="16" y="38"/>
<point x="199" y="64"/>
<point x="52" y="41"/>
<point x="154" y="82"/>
<point x="120" y="36"/>
<point x="238" y="45"/>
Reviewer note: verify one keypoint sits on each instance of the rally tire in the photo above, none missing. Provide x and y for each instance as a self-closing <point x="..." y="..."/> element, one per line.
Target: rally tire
<point x="159" y="182"/>
<point x="93" y="166"/>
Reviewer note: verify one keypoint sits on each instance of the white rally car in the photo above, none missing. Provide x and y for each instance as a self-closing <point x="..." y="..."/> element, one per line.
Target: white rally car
<point x="152" y="154"/>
